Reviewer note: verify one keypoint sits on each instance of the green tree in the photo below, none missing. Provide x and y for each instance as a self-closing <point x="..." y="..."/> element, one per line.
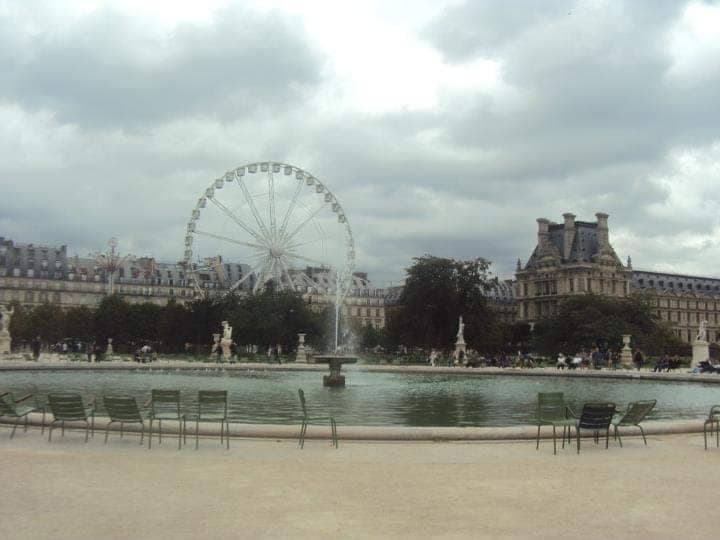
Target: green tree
<point x="175" y="327"/>
<point x="80" y="323"/>
<point x="585" y="321"/>
<point x="274" y="317"/>
<point x="48" y="322"/>
<point x="437" y="291"/>
<point x="112" y="320"/>
<point x="20" y="324"/>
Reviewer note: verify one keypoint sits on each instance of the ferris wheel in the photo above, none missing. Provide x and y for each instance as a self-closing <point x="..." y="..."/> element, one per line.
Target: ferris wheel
<point x="269" y="222"/>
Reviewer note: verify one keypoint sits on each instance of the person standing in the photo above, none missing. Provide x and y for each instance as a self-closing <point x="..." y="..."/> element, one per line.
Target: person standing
<point x="36" y="347"/>
<point x="638" y="359"/>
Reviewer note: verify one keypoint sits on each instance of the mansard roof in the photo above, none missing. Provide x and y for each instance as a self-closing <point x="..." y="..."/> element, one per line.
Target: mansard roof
<point x="677" y="283"/>
<point x="584" y="246"/>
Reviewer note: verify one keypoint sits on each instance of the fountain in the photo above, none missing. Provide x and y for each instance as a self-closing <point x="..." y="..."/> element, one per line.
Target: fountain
<point x="336" y="360"/>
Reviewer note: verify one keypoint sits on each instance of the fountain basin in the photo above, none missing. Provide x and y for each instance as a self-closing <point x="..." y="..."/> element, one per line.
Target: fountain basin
<point x="335" y="362"/>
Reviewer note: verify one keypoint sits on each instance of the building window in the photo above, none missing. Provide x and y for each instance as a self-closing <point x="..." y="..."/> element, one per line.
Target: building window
<point x="571" y="284"/>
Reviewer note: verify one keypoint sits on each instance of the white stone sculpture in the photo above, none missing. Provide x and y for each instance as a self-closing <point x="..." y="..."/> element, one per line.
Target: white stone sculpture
<point x="5" y="320"/>
<point x="700" y="347"/>
<point x="461" y="330"/>
<point x="460" y="346"/>
<point x="5" y="339"/>
<point x="216" y="344"/>
<point x="226" y="340"/>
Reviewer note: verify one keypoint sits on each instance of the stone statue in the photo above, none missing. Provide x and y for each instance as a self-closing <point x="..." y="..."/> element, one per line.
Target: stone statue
<point x="227" y="330"/>
<point x="460" y="347"/>
<point x="5" y="340"/>
<point x="702" y="331"/>
<point x="5" y="320"/>
<point x="226" y="340"/>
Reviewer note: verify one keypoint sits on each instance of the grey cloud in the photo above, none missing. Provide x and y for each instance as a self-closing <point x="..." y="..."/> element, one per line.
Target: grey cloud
<point x="107" y="71"/>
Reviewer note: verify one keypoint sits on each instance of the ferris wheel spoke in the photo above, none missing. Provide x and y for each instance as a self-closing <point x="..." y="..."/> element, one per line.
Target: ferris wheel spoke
<point x="229" y="213"/>
<point x="287" y="273"/>
<point x="305" y="222"/>
<point x="307" y="259"/>
<point x="290" y="209"/>
<point x="271" y="203"/>
<point x="251" y="203"/>
<point x="291" y="247"/>
<point x="231" y="240"/>
<point x="261" y="276"/>
<point x="245" y="277"/>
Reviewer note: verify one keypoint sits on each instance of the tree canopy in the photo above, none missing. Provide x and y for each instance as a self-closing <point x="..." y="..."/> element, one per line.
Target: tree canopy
<point x="437" y="292"/>
<point x="264" y="319"/>
<point x="589" y="320"/>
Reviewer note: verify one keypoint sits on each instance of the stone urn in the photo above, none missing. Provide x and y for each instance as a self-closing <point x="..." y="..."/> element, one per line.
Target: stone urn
<point x="301" y="356"/>
<point x="626" y="356"/>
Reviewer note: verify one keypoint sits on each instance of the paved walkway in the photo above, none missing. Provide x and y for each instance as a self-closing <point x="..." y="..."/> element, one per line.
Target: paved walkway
<point x="269" y="489"/>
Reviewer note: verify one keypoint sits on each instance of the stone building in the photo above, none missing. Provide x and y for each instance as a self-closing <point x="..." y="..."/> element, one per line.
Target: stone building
<point x="576" y="257"/>
<point x="683" y="301"/>
<point x="37" y="274"/>
<point x="571" y="258"/>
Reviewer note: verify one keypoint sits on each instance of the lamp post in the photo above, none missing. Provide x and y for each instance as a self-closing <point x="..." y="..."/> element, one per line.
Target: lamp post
<point x="111" y="261"/>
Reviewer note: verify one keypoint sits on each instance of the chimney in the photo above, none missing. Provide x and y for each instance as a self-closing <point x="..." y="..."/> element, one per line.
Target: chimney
<point x="568" y="234"/>
<point x="543" y="232"/>
<point x="602" y="230"/>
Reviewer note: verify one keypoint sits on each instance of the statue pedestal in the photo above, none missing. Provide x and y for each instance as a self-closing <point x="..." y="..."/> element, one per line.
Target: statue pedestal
<point x="460" y="350"/>
<point x="5" y="344"/>
<point x="225" y="346"/>
<point x="700" y="352"/>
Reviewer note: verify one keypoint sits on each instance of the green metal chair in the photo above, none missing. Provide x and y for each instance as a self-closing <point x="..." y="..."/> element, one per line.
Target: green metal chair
<point x="212" y="407"/>
<point x="552" y="411"/>
<point x="70" y="408"/>
<point x="633" y="415"/>
<point x="307" y="419"/>
<point x="595" y="417"/>
<point x="165" y="405"/>
<point x="12" y="408"/>
<point x="712" y="420"/>
<point x="123" y="409"/>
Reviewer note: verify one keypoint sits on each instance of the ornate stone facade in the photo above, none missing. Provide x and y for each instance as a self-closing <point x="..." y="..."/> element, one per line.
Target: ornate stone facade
<point x="571" y="258"/>
<point x="683" y="301"/>
<point x="37" y="274"/>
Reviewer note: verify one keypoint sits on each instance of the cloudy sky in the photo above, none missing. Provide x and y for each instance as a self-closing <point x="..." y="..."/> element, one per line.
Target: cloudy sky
<point x="443" y="127"/>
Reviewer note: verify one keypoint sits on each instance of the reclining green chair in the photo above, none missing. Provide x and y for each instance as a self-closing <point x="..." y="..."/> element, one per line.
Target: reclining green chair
<point x="712" y="420"/>
<point x="165" y="405"/>
<point x="633" y="415"/>
<point x="553" y="411"/>
<point x="70" y="408"/>
<point x="123" y="409"/>
<point x="12" y="408"/>
<point x="212" y="407"/>
<point x="595" y="417"/>
<point x="307" y="419"/>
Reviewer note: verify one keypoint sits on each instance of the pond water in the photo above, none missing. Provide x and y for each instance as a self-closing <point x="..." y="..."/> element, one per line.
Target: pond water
<point x="374" y="399"/>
